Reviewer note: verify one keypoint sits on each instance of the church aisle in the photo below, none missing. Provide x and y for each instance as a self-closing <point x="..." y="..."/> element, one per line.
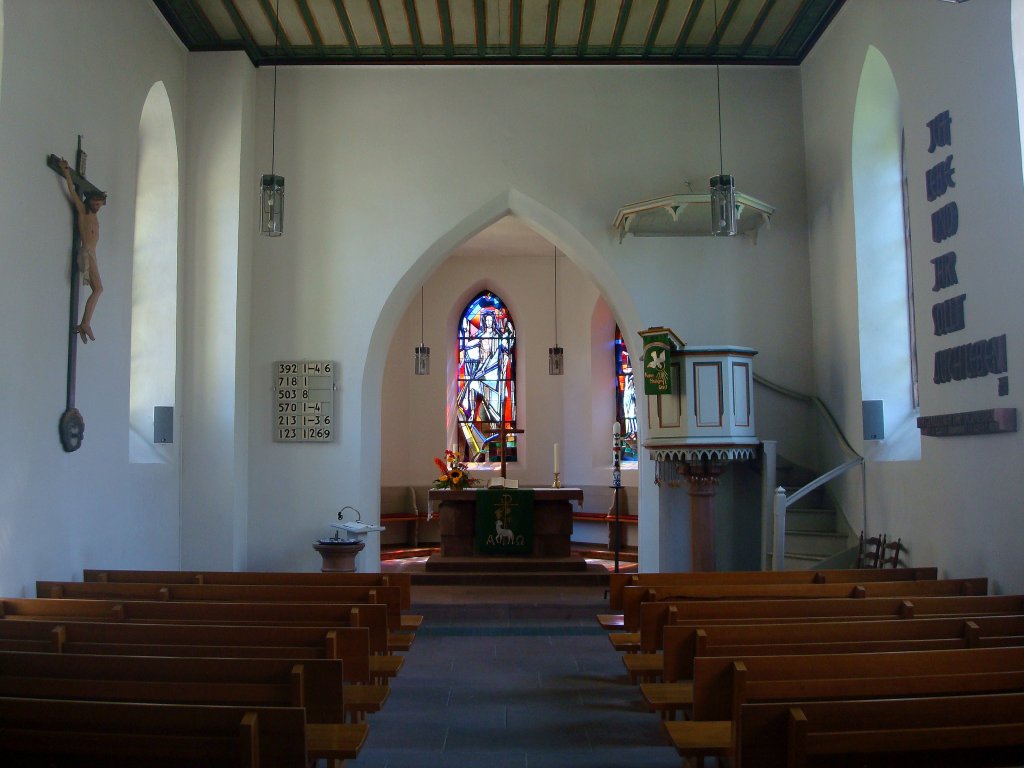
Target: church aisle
<point x="514" y="680"/>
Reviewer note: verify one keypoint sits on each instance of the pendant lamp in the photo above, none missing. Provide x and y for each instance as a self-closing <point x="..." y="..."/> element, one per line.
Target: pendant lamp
<point x="422" y="351"/>
<point x="556" y="355"/>
<point x="723" y="186"/>
<point x="272" y="185"/>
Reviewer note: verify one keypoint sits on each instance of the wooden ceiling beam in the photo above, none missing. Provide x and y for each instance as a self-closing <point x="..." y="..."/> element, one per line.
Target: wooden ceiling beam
<point x="551" y="28"/>
<point x="248" y="42"/>
<point x="755" y="28"/>
<point x="414" y="26"/>
<point x="687" y="30"/>
<point x="346" y="25"/>
<point x="311" y="28"/>
<point x="515" y="33"/>
<point x="382" y="27"/>
<point x="585" y="27"/>
<point x="620" y="27"/>
<point x="282" y="44"/>
<point x="656" y="22"/>
<point x="447" y="35"/>
<point x="480" y="16"/>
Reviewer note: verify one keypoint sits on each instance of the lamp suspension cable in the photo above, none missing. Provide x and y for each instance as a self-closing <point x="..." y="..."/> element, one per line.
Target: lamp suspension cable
<point x="718" y="89"/>
<point x="422" y="352"/>
<point x="556" y="355"/>
<point x="723" y="187"/>
<point x="272" y="185"/>
<point x="556" y="295"/>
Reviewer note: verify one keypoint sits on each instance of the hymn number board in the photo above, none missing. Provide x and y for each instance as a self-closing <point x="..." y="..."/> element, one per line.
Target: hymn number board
<point x="304" y="401"/>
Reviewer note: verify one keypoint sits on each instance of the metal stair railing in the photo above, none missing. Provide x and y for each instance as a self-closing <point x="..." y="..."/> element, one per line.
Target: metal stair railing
<point x="775" y="502"/>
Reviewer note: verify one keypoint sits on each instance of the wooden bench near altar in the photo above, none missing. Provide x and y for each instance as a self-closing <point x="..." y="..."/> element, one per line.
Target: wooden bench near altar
<point x="552" y="527"/>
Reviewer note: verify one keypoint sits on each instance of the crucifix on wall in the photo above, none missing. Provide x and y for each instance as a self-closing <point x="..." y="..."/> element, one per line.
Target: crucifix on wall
<point x="86" y="199"/>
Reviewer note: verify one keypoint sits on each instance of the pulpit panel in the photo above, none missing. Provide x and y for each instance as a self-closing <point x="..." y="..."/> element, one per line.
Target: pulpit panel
<point x="707" y="396"/>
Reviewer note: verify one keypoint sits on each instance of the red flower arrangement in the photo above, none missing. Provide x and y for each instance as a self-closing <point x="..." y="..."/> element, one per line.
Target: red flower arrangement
<point x="454" y="473"/>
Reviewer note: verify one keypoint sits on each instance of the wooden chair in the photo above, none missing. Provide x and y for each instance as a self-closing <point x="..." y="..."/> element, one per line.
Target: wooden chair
<point x="869" y="551"/>
<point x="891" y="554"/>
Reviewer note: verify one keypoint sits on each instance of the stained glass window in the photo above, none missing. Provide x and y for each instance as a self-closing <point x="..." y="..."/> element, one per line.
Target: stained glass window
<point x="486" y="384"/>
<point x="625" y="398"/>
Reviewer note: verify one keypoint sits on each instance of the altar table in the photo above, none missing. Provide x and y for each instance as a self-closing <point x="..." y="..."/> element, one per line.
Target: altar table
<point x="552" y="521"/>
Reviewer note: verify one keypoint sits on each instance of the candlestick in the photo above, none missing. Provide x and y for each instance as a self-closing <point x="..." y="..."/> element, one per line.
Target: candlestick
<point x="616" y="446"/>
<point x="558" y="481"/>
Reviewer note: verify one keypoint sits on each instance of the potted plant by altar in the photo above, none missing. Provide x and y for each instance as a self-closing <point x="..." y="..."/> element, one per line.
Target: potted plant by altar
<point x="454" y="473"/>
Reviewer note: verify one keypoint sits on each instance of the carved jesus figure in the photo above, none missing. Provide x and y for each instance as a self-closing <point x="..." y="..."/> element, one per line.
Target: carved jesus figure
<point x="89" y="232"/>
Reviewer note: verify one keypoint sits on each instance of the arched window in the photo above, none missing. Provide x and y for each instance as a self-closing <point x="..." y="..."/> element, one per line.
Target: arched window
<point x="485" y="379"/>
<point x="888" y="367"/>
<point x="1017" y="41"/>
<point x="625" y="398"/>
<point x="154" y="277"/>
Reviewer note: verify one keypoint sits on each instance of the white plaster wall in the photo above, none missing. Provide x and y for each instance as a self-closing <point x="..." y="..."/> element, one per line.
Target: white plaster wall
<point x="221" y="188"/>
<point x="390" y="169"/>
<point x="959" y="506"/>
<point x="65" y="74"/>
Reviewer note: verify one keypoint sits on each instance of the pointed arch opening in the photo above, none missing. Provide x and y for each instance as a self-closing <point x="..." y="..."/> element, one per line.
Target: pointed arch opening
<point x="154" y="277"/>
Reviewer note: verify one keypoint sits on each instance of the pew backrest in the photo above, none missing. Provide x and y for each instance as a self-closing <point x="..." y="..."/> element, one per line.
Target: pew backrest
<point x="683" y="643"/>
<point x="619" y="580"/>
<point x="401" y="580"/>
<point x="720" y="684"/>
<point x="633" y="596"/>
<point x="778" y="734"/>
<point x="124" y="734"/>
<point x="316" y="685"/>
<point x="655" y="615"/>
<point x="351" y="645"/>
<point x="372" y="616"/>
<point x="268" y="593"/>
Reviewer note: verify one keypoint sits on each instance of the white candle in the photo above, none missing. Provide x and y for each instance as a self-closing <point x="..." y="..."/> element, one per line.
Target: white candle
<point x="556" y="459"/>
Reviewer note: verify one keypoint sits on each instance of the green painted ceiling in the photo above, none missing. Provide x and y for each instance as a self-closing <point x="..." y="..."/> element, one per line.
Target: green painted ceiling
<point x="774" y="32"/>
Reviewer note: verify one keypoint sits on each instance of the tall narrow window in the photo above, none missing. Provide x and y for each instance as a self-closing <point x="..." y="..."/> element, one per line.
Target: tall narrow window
<point x="884" y="284"/>
<point x="486" y="379"/>
<point x="625" y="398"/>
<point x="154" y="277"/>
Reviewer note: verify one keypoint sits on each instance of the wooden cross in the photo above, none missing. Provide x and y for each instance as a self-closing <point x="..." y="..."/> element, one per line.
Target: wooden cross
<point x="503" y="432"/>
<point x="72" y="426"/>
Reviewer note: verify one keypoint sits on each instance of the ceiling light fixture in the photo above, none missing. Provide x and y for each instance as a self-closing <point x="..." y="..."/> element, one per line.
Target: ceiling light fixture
<point x="556" y="355"/>
<point x="272" y="185"/>
<point x="422" y="351"/>
<point x="723" y="186"/>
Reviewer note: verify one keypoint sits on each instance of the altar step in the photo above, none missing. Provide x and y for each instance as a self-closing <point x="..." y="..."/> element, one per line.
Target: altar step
<point x="511" y="571"/>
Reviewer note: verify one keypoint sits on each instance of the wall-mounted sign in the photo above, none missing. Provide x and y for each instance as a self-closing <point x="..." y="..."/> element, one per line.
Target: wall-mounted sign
<point x="303" y="407"/>
<point x="962" y="361"/>
<point x="991" y="421"/>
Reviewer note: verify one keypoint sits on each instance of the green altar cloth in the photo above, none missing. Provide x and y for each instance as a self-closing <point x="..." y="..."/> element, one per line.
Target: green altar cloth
<point x="504" y="521"/>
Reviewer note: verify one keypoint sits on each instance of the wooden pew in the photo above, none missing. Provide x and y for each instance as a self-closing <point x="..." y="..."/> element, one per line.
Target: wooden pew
<point x="633" y="597"/>
<point x="683" y="643"/>
<point x="349" y="645"/>
<point x="315" y="685"/>
<point x="655" y="615"/>
<point x="384" y="664"/>
<point x="619" y="580"/>
<point x="239" y="593"/>
<point x="372" y="616"/>
<point x="163" y="735"/>
<point x="969" y="730"/>
<point x="722" y="685"/>
<point x="401" y="580"/>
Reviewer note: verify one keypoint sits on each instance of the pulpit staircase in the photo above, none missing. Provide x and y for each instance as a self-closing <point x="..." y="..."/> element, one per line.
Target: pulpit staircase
<point x="817" y="533"/>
